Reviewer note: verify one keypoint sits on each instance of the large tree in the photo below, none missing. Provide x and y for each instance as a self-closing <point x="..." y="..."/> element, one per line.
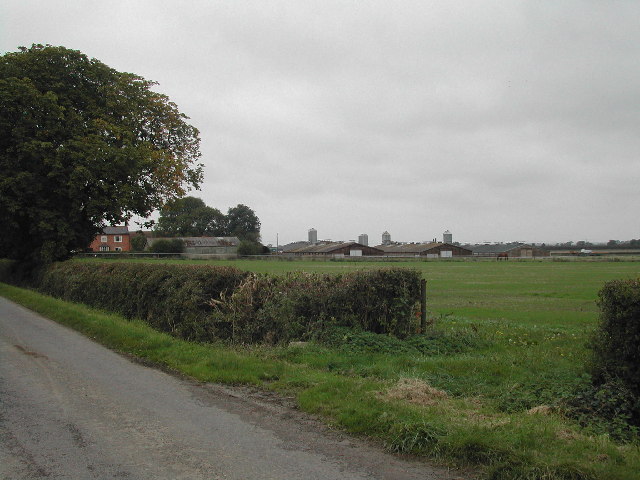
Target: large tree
<point x="243" y="223"/>
<point x="190" y="217"/>
<point x="83" y="145"/>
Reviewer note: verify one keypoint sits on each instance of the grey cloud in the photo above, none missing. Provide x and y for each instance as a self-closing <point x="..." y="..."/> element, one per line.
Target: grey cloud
<point x="499" y="120"/>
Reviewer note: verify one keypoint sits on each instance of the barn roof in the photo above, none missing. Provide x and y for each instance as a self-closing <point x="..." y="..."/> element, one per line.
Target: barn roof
<point x="294" y="246"/>
<point x="414" y="248"/>
<point x="327" y="247"/>
<point x="407" y="247"/>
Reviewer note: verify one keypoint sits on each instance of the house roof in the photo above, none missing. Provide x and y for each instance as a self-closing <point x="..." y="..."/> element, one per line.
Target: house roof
<point x="327" y="247"/>
<point x="117" y="230"/>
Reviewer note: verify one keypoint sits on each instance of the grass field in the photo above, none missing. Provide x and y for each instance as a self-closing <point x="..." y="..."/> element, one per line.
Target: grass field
<point x="508" y="337"/>
<point x="527" y="322"/>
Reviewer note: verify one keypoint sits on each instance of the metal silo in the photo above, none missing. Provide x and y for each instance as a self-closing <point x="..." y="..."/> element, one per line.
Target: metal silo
<point x="313" y="236"/>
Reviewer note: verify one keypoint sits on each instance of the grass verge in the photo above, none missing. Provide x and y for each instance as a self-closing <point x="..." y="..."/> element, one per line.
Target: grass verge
<point x="402" y="411"/>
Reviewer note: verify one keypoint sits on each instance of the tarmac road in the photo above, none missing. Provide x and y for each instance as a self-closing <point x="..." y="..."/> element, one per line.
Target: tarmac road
<point x="72" y="409"/>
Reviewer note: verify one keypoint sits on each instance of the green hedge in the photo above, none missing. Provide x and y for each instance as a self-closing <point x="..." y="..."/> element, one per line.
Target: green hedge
<point x="172" y="298"/>
<point x="616" y="343"/>
<point x="204" y="303"/>
<point x="614" y="392"/>
<point x="167" y="245"/>
<point x="299" y="306"/>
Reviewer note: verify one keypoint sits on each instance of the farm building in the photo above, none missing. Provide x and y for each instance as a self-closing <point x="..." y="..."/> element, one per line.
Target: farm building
<point x="294" y="246"/>
<point x="429" y="250"/>
<point x="511" y="250"/>
<point x="338" y="249"/>
<point x="205" y="245"/>
<point x="112" y="239"/>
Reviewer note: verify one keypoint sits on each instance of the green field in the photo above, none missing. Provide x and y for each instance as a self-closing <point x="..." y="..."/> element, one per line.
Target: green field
<point x="508" y="337"/>
<point x="530" y="320"/>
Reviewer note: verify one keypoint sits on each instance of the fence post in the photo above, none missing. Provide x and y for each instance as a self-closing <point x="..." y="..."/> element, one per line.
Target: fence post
<point x="423" y="305"/>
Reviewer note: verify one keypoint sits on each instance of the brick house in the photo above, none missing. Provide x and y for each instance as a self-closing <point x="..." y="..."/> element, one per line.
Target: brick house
<point x="112" y="239"/>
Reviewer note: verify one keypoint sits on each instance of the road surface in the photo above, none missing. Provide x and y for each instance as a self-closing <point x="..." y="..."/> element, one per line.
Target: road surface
<point x="72" y="409"/>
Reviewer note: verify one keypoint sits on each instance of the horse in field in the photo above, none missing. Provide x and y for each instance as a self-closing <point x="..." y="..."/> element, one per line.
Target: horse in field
<point x="502" y="256"/>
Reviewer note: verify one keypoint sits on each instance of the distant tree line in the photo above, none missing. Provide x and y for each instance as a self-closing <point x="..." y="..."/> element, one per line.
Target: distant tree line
<point x="611" y="244"/>
<point x="191" y="217"/>
<point x="633" y="243"/>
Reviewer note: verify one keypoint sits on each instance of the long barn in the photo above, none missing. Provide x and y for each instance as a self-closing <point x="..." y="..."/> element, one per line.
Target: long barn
<point x="337" y="249"/>
<point x="429" y="250"/>
<point x="509" y="250"/>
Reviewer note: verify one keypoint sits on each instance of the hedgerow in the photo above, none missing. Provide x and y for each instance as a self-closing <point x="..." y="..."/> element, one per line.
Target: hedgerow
<point x="610" y="402"/>
<point x="171" y="298"/>
<point x="204" y="303"/>
<point x="298" y="306"/>
<point x="616" y="343"/>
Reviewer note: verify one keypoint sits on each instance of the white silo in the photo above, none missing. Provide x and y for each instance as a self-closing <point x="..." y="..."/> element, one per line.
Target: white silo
<point x="386" y="238"/>
<point x="363" y="239"/>
<point x="313" y="236"/>
<point x="447" y="237"/>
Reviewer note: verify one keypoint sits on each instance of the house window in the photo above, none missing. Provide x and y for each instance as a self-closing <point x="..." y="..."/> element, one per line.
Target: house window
<point x="118" y="249"/>
<point x="117" y="238"/>
<point x="104" y="248"/>
<point x="103" y="239"/>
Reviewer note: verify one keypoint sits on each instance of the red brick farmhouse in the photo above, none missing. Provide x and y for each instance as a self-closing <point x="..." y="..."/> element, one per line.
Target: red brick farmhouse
<point x="112" y="239"/>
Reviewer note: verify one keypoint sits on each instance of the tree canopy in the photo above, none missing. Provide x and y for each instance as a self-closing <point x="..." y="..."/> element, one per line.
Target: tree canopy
<point x="191" y="217"/>
<point x="81" y="146"/>
<point x="243" y="223"/>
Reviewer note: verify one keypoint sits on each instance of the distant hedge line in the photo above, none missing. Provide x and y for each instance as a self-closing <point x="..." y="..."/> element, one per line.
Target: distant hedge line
<point x="204" y="303"/>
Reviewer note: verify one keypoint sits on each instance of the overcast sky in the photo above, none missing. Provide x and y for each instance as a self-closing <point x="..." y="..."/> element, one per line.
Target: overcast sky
<point x="497" y="120"/>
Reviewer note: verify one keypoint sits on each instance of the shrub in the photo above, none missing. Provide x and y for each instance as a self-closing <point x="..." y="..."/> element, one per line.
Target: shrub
<point x="248" y="247"/>
<point x="611" y="401"/>
<point x="606" y="408"/>
<point x="616" y="342"/>
<point x="174" y="245"/>
<point x="138" y="242"/>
